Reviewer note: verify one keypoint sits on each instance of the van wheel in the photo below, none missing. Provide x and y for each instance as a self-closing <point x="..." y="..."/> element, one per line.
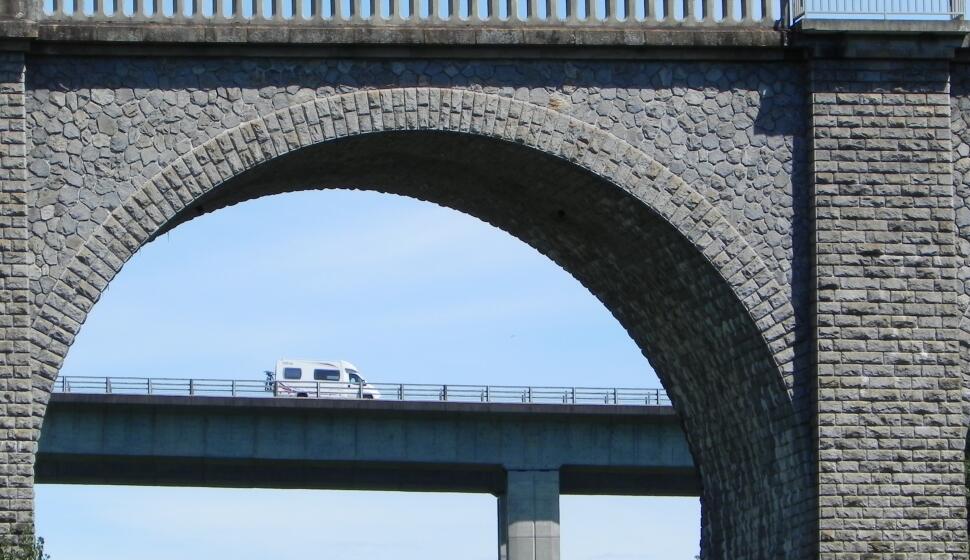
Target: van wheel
<point x="302" y="395"/>
<point x="369" y="397"/>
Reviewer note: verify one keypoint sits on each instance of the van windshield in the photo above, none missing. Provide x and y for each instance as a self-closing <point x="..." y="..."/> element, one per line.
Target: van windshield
<point x="354" y="378"/>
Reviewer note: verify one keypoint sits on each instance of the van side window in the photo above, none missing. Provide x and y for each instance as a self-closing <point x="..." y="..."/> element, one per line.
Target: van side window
<point x="292" y="373"/>
<point x="326" y="374"/>
<point x="354" y="378"/>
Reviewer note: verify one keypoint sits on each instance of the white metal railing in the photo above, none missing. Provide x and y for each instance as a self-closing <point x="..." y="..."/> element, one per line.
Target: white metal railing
<point x="464" y="13"/>
<point x="386" y="391"/>
<point x="913" y="10"/>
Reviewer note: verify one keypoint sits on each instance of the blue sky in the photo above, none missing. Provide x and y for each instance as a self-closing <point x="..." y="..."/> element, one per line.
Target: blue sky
<point x="409" y="292"/>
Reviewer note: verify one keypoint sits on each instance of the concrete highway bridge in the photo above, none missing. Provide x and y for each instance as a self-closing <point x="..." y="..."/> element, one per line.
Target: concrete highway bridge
<point x="524" y="454"/>
<point x="772" y="198"/>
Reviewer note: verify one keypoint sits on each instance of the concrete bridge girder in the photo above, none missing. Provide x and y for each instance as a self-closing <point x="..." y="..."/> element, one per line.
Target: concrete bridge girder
<point x="525" y="455"/>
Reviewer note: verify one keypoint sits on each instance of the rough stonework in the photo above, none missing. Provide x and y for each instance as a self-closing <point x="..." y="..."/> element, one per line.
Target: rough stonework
<point x="960" y="119"/>
<point x="890" y="419"/>
<point x="786" y="241"/>
<point x="728" y="130"/>
<point x="16" y="425"/>
<point x="595" y="204"/>
<point x="707" y="149"/>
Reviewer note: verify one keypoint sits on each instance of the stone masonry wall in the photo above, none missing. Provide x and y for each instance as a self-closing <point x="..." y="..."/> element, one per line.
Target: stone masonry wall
<point x="100" y="128"/>
<point x="679" y="252"/>
<point x="890" y="426"/>
<point x="960" y="123"/>
<point x="16" y="433"/>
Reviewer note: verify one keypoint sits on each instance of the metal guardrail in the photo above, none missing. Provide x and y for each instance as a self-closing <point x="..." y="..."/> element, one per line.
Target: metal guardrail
<point x="462" y="13"/>
<point x="912" y="10"/>
<point x="388" y="391"/>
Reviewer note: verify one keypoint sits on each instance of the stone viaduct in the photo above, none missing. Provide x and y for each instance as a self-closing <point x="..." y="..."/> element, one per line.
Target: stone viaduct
<point x="779" y="215"/>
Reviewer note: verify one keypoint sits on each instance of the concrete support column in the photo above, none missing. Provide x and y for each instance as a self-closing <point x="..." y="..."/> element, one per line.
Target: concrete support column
<point x="16" y="423"/>
<point x="528" y="516"/>
<point x="889" y="397"/>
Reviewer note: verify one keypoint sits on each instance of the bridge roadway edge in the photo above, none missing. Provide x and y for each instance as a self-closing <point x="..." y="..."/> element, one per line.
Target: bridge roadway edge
<point x="75" y="448"/>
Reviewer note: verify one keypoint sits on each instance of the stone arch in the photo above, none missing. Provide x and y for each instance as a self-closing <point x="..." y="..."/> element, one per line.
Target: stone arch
<point x="624" y="220"/>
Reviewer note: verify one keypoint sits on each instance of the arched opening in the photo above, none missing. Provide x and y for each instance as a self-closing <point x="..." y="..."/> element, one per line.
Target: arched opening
<point x="654" y="256"/>
<point x="296" y="287"/>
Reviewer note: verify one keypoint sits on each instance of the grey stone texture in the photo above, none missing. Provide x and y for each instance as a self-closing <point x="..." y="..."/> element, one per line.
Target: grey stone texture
<point x="960" y="119"/>
<point x="668" y="189"/>
<point x="16" y="426"/>
<point x="679" y="193"/>
<point x="890" y="423"/>
<point x="727" y="130"/>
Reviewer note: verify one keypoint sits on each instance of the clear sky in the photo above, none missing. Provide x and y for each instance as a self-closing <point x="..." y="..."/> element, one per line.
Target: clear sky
<point x="406" y="290"/>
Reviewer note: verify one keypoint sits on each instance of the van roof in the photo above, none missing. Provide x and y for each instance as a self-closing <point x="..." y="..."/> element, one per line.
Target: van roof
<point x="343" y="364"/>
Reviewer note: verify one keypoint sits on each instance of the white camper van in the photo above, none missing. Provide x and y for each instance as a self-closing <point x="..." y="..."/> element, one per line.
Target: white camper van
<point x="315" y="379"/>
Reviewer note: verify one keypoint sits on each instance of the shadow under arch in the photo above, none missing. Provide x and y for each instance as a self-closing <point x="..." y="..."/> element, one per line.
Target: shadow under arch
<point x="691" y="293"/>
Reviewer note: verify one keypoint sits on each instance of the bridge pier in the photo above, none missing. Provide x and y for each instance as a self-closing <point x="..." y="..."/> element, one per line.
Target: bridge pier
<point x="889" y="422"/>
<point x="528" y="516"/>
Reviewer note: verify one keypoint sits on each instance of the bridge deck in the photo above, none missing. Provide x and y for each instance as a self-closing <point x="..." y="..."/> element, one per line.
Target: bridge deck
<point x="352" y="444"/>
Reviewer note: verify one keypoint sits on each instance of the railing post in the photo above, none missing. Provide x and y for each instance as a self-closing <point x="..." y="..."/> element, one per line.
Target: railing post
<point x="444" y="392"/>
<point x="318" y="389"/>
<point x="316" y="9"/>
<point x="191" y="387"/>
<point x="615" y="401"/>
<point x="529" y="395"/>
<point x="276" y="388"/>
<point x="107" y="385"/>
<point x="574" y="395"/>
<point x="707" y="11"/>
<point x="487" y="395"/>
<point x="400" y="392"/>
<point x="149" y="385"/>
<point x="360" y="390"/>
<point x="619" y="5"/>
<point x="233" y="387"/>
<point x="748" y="10"/>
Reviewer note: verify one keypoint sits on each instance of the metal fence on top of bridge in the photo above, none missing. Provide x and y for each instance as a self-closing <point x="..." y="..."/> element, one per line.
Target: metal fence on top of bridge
<point x="387" y="391"/>
<point x="634" y="14"/>
<point x="897" y="10"/>
<point x="461" y="13"/>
